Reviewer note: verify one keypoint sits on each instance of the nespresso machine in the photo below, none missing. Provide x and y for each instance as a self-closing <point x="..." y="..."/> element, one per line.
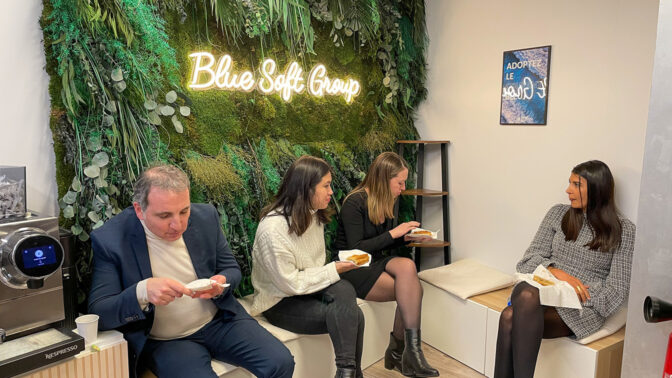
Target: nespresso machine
<point x="31" y="284"/>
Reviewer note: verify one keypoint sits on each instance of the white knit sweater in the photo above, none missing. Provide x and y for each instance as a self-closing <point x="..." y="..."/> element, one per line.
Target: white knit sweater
<point x="285" y="265"/>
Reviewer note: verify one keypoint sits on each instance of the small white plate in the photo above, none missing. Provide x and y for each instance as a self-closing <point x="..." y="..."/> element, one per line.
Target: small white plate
<point x="413" y="234"/>
<point x="343" y="255"/>
<point x="203" y="284"/>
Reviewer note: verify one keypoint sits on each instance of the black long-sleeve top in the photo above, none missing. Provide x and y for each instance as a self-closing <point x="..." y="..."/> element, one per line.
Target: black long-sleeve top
<point x="356" y="231"/>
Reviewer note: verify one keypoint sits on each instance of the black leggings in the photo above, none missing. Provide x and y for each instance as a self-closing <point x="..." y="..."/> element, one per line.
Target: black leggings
<point x="522" y="325"/>
<point x="333" y="310"/>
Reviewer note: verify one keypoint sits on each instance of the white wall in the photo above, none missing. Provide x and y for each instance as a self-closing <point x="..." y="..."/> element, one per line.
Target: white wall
<point x="504" y="178"/>
<point x="25" y="137"/>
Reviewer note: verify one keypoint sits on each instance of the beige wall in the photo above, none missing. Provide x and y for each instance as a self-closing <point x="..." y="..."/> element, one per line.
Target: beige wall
<point x="25" y="137"/>
<point x="504" y="178"/>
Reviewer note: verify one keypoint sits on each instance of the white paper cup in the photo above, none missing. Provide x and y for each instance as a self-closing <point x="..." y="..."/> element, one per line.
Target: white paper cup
<point x="87" y="327"/>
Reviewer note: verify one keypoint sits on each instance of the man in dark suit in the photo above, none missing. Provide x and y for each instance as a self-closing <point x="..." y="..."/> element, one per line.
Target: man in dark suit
<point x="142" y="259"/>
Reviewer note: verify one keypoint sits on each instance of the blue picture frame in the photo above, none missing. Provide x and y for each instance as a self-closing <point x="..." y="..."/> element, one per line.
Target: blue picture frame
<point x="525" y="79"/>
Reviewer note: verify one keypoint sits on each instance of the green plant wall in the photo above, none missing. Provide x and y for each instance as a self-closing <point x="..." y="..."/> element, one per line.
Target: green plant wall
<point x="120" y="71"/>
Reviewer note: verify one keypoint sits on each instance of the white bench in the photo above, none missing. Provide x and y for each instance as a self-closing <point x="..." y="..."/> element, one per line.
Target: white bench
<point x="467" y="331"/>
<point x="314" y="354"/>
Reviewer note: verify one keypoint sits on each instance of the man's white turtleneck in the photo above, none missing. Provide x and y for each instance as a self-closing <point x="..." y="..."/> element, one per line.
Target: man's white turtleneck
<point x="185" y="315"/>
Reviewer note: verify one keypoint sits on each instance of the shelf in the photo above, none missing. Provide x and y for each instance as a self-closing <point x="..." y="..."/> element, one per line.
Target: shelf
<point x="420" y="193"/>
<point x="430" y="244"/>
<point x="424" y="192"/>
<point x="423" y="141"/>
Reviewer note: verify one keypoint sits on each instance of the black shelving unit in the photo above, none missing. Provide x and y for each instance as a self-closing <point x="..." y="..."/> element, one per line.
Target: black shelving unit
<point x="420" y="192"/>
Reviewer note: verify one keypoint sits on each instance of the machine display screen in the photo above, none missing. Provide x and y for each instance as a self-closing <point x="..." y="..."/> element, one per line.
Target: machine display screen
<point x="39" y="256"/>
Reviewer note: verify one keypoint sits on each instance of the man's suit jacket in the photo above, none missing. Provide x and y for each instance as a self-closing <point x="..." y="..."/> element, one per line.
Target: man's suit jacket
<point x="121" y="260"/>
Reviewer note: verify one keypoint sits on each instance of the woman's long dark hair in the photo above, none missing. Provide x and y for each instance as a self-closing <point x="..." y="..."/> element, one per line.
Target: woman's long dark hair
<point x="601" y="210"/>
<point x="296" y="191"/>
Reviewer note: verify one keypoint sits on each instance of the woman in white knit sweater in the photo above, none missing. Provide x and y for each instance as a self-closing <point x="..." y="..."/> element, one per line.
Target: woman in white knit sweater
<point x="294" y="289"/>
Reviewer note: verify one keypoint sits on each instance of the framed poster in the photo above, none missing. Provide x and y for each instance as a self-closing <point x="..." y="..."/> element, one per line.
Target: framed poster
<point x="525" y="86"/>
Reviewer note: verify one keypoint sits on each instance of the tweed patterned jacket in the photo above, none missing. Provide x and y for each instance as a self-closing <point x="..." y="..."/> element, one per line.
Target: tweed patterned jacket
<point x="607" y="274"/>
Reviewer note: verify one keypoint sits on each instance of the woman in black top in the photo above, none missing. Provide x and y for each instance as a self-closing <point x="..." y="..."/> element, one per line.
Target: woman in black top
<point x="367" y="223"/>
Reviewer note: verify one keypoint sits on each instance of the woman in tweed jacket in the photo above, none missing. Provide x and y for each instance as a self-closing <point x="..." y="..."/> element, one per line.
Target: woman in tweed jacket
<point x="589" y="245"/>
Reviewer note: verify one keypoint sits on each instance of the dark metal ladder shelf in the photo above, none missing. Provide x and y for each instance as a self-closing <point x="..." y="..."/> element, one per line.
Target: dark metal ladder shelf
<point x="420" y="193"/>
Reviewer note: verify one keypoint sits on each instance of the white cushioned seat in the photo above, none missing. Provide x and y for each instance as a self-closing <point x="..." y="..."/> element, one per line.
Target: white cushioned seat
<point x="613" y="323"/>
<point x="466" y="278"/>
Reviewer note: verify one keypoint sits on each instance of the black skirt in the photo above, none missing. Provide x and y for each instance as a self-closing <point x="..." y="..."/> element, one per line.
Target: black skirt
<point x="363" y="279"/>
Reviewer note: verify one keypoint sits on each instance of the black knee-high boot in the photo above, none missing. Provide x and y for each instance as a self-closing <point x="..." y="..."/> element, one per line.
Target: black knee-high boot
<point x="413" y="362"/>
<point x="345" y="373"/>
<point x="393" y="353"/>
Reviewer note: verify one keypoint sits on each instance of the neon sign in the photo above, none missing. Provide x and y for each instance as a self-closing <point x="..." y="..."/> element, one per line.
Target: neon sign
<point x="209" y="73"/>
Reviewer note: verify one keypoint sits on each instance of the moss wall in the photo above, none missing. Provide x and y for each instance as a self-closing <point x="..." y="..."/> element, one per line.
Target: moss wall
<point x="235" y="146"/>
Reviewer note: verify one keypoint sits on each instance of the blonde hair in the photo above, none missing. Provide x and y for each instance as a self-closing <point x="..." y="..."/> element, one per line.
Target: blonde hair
<point x="380" y="201"/>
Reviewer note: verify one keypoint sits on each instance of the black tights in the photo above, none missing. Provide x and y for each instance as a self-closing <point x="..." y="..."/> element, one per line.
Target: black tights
<point x="521" y="328"/>
<point x="400" y="283"/>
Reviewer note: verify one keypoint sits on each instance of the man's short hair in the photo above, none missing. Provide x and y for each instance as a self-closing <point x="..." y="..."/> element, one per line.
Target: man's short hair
<point x="165" y="177"/>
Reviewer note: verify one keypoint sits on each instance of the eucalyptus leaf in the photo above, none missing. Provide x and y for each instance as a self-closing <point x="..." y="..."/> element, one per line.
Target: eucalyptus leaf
<point x="178" y="125"/>
<point x="83" y="236"/>
<point x="109" y="213"/>
<point x="93" y="216"/>
<point x="150" y="104"/>
<point x="103" y="173"/>
<point x="185" y="111"/>
<point x="100" y="159"/>
<point x="120" y="86"/>
<point x="68" y="212"/>
<point x="154" y="118"/>
<point x="111" y="106"/>
<point x="117" y="74"/>
<point x="70" y="197"/>
<point x="386" y="81"/>
<point x="171" y="97"/>
<point x="76" y="229"/>
<point x="98" y="224"/>
<point x="76" y="185"/>
<point x="94" y="143"/>
<point x="100" y="182"/>
<point x="167" y="110"/>
<point x="108" y="120"/>
<point x="92" y="171"/>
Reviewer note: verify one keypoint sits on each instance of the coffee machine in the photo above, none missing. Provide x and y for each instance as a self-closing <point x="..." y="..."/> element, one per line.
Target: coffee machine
<point x="31" y="284"/>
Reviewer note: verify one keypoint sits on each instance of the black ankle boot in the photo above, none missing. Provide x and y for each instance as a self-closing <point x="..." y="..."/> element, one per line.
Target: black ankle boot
<point x="345" y="373"/>
<point x="393" y="353"/>
<point x="413" y="363"/>
<point x="359" y="373"/>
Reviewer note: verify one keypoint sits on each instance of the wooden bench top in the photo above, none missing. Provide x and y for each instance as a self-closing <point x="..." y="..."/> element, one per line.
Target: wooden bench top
<point x="497" y="300"/>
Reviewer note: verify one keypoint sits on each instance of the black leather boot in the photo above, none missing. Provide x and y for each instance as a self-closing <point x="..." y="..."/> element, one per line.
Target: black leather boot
<point x="359" y="373"/>
<point x="413" y="363"/>
<point x="393" y="353"/>
<point x="345" y="373"/>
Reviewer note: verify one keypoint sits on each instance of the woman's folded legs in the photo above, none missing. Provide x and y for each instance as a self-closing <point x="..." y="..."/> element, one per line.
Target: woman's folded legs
<point x="333" y="310"/>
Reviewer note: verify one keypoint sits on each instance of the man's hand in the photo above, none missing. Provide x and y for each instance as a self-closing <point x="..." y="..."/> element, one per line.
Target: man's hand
<point x="580" y="289"/>
<point x="213" y="292"/>
<point x="161" y="291"/>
